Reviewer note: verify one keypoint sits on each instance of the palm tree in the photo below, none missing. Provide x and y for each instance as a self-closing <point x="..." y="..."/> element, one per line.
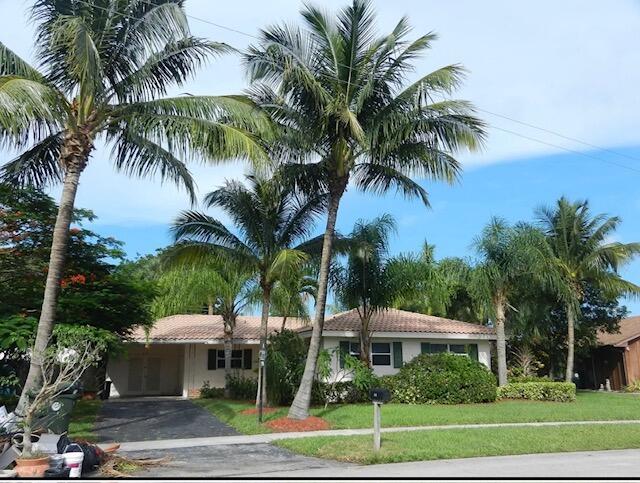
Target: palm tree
<point x="224" y="288"/>
<point x="337" y="91"/>
<point x="364" y="283"/>
<point x="292" y="294"/>
<point x="271" y="221"/>
<point x="104" y="69"/>
<point x="509" y="256"/>
<point x="581" y="254"/>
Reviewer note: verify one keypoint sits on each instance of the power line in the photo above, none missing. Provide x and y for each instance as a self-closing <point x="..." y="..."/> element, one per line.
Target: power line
<point x="557" y="146"/>
<point x="533" y="126"/>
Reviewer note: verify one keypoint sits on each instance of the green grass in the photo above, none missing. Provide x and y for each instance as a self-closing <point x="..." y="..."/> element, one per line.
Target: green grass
<point x="466" y="443"/>
<point x="589" y="406"/>
<point x="83" y="420"/>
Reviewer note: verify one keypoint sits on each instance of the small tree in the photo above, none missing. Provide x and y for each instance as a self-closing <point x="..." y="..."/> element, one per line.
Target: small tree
<point x="63" y="364"/>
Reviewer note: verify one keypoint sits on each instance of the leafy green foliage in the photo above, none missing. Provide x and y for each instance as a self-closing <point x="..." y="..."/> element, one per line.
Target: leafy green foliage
<point x="443" y="378"/>
<point x="241" y="387"/>
<point x="208" y="392"/>
<point x="539" y="391"/>
<point x="16" y="333"/>
<point x="286" y="355"/>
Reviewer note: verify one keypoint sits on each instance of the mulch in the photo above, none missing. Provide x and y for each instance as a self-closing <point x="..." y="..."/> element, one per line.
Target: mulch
<point x="255" y="411"/>
<point x="286" y="425"/>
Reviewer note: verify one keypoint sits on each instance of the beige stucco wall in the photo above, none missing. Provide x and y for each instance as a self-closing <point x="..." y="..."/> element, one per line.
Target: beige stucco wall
<point x="196" y="372"/>
<point x="410" y="349"/>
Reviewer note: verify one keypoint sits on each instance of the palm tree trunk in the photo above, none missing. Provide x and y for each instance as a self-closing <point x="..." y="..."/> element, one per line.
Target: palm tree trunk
<point x="284" y="323"/>
<point x="300" y="407"/>
<point x="261" y="396"/>
<point x="228" y="347"/>
<point x="365" y="339"/>
<point x="501" y="343"/>
<point x="571" y="321"/>
<point x="75" y="164"/>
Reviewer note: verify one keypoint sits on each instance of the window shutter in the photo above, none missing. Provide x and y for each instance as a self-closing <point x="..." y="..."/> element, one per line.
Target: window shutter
<point x="344" y="349"/>
<point x="425" y="348"/>
<point x="248" y="355"/>
<point x="397" y="354"/>
<point x="212" y="358"/>
<point x="472" y="351"/>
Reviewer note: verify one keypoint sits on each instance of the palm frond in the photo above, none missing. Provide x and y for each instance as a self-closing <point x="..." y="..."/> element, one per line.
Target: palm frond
<point x="38" y="166"/>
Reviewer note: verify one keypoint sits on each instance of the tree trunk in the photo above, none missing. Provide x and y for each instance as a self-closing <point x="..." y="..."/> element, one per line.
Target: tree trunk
<point x="284" y="323"/>
<point x="228" y="346"/>
<point x="300" y="407"/>
<point x="571" y="320"/>
<point x="501" y="343"/>
<point x="365" y="340"/>
<point x="264" y="327"/>
<point x="75" y="164"/>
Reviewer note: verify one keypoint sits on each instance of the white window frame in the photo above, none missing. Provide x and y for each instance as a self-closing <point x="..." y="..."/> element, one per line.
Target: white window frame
<point x="389" y="354"/>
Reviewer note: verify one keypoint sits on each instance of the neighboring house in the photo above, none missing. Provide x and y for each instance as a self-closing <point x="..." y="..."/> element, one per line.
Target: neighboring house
<point x="617" y="358"/>
<point x="181" y="352"/>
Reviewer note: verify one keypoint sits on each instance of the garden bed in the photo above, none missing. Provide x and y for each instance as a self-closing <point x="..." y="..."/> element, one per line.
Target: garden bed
<point x="286" y="425"/>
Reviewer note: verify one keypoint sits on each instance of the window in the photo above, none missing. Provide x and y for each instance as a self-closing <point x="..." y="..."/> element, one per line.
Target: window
<point x="348" y="347"/>
<point x="458" y="348"/>
<point x="470" y="350"/>
<point x="381" y="354"/>
<point x="240" y="359"/>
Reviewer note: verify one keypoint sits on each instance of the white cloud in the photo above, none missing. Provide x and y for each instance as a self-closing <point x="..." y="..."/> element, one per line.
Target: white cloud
<point x="571" y="67"/>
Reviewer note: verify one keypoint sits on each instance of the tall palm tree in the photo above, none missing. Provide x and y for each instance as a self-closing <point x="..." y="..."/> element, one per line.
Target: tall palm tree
<point x="104" y="69"/>
<point x="271" y="221"/>
<point x="509" y="256"/>
<point x="581" y="254"/>
<point x="226" y="289"/>
<point x="337" y="91"/>
<point x="365" y="283"/>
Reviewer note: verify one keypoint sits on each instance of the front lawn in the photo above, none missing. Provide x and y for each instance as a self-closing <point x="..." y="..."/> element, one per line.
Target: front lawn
<point x="83" y="420"/>
<point x="589" y="406"/>
<point x="466" y="443"/>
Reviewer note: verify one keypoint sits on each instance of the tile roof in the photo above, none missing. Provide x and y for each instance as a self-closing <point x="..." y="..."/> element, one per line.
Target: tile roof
<point x="394" y="320"/>
<point x="195" y="327"/>
<point x="629" y="329"/>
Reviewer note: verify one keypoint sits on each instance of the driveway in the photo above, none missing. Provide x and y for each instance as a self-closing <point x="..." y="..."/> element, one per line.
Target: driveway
<point x="147" y="419"/>
<point x="235" y="460"/>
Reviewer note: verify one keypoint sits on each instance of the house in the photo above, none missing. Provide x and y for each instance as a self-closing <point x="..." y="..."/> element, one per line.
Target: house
<point x="181" y="352"/>
<point x="616" y="357"/>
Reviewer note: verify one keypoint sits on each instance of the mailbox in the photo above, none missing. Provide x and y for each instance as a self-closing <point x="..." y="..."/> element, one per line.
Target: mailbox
<point x="379" y="395"/>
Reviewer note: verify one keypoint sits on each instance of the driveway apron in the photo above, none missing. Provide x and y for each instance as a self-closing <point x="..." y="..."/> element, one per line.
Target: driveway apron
<point x="147" y="419"/>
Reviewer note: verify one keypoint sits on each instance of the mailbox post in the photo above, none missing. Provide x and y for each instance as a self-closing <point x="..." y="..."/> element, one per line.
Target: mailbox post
<point x="378" y="397"/>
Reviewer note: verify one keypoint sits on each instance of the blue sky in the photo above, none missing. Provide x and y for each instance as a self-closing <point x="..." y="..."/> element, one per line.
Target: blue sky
<point x="569" y="67"/>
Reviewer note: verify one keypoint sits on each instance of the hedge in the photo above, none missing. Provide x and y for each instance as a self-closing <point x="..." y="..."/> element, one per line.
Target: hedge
<point x="441" y="379"/>
<point x="539" y="391"/>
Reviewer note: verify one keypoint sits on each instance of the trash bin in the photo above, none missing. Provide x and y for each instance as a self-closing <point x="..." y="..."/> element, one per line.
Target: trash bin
<point x="106" y="389"/>
<point x="57" y="415"/>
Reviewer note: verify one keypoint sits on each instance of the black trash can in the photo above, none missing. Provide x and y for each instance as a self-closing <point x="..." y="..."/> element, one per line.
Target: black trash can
<point x="106" y="389"/>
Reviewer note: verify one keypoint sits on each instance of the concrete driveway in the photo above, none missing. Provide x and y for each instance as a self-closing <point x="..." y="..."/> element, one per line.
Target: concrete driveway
<point x="146" y="419"/>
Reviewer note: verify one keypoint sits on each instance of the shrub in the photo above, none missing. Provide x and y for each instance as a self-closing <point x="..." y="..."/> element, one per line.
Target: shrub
<point x="242" y="388"/>
<point x="208" y="392"/>
<point x="342" y="392"/>
<point x="443" y="378"/>
<point x="539" y="391"/>
<point x="633" y="387"/>
<point x="286" y="355"/>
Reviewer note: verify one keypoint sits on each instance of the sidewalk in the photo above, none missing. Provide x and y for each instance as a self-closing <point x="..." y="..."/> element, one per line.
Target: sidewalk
<point x="270" y="437"/>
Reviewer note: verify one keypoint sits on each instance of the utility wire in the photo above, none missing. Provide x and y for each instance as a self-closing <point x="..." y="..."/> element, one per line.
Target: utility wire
<point x="533" y="126"/>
